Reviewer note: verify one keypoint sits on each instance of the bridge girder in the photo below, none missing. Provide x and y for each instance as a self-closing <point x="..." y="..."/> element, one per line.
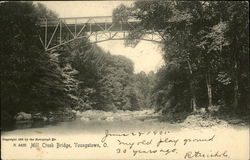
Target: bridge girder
<point x="55" y="33"/>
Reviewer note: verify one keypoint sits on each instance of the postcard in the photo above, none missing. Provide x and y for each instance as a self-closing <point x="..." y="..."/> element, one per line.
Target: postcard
<point x="125" y="80"/>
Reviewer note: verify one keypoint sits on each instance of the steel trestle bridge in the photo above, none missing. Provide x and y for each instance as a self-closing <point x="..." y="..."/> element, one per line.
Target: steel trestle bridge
<point x="57" y="32"/>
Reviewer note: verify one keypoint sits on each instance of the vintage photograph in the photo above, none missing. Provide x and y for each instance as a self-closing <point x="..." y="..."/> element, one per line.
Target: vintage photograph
<point x="141" y="79"/>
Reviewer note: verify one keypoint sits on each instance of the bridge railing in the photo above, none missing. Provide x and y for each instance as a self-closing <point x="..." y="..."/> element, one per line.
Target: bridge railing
<point x="80" y="20"/>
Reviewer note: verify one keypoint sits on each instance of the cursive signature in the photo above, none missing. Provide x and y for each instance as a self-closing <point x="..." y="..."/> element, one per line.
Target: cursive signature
<point x="199" y="154"/>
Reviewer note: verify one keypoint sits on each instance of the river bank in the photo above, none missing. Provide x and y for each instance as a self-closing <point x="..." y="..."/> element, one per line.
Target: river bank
<point x="95" y="120"/>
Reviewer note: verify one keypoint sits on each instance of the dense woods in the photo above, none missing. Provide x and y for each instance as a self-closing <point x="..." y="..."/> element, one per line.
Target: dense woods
<point x="206" y="56"/>
<point x="206" y="53"/>
<point x="30" y="80"/>
<point x="107" y="82"/>
<point x="78" y="76"/>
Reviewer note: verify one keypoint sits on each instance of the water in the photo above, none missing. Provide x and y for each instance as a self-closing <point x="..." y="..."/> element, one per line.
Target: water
<point x="97" y="121"/>
<point x="91" y="126"/>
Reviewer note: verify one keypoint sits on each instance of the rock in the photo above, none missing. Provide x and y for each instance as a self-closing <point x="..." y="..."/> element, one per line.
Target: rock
<point x="37" y="116"/>
<point x="235" y="121"/>
<point x="213" y="108"/>
<point x="85" y="119"/>
<point x="151" y="120"/>
<point x="125" y="118"/>
<point x="72" y="117"/>
<point x="74" y="111"/>
<point x="78" y="113"/>
<point x="44" y="118"/>
<point x="101" y="118"/>
<point x="51" y="119"/>
<point x="110" y="119"/>
<point x="201" y="110"/>
<point x="222" y="123"/>
<point x="199" y="120"/>
<point x="23" y="116"/>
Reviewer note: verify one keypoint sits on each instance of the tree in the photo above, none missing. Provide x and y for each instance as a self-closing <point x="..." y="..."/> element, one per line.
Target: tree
<point x="202" y="41"/>
<point x="30" y="80"/>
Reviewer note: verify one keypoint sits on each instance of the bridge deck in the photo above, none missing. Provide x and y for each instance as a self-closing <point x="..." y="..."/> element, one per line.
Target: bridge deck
<point x="92" y="24"/>
<point x="57" y="32"/>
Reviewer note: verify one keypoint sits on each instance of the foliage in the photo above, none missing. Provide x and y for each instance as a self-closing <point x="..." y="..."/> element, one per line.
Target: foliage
<point x="30" y="79"/>
<point x="107" y="81"/>
<point x="206" y="52"/>
<point x="143" y="85"/>
<point x="77" y="75"/>
<point x="120" y="14"/>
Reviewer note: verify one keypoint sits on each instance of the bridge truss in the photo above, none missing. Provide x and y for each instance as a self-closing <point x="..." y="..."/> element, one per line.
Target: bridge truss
<point x="55" y="33"/>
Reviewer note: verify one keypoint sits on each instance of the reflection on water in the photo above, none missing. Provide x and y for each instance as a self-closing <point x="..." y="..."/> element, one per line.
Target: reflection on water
<point x="96" y="121"/>
<point x="92" y="126"/>
<point x="27" y="124"/>
<point x="33" y="124"/>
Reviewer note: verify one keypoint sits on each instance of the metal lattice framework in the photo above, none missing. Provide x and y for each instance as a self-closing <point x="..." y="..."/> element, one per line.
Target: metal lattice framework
<point x="55" y="33"/>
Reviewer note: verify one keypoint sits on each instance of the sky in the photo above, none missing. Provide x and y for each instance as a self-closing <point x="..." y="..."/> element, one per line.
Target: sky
<point x="146" y="55"/>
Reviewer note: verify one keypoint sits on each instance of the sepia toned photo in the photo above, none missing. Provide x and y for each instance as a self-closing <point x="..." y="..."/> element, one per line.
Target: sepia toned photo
<point x="141" y="79"/>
